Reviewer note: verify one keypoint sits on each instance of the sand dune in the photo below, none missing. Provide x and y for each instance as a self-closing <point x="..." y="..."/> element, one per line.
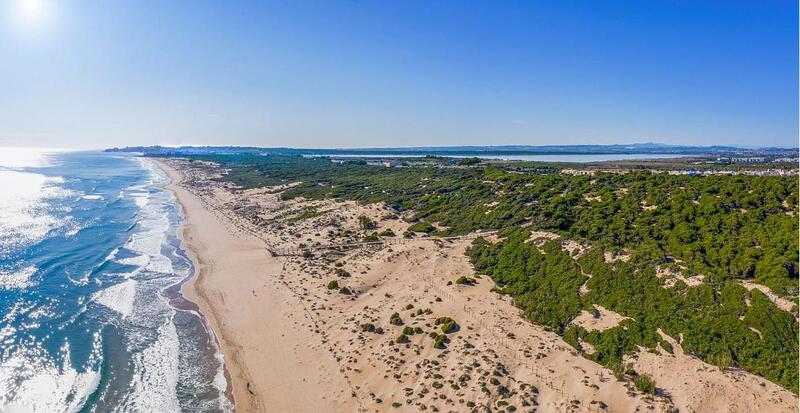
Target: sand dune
<point x="293" y="344"/>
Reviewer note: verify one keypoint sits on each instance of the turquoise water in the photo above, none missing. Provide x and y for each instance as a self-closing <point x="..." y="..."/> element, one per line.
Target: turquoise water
<point x="90" y="317"/>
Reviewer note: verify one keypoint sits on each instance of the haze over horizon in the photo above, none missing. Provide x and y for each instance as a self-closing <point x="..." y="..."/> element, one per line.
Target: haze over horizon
<point x="358" y="74"/>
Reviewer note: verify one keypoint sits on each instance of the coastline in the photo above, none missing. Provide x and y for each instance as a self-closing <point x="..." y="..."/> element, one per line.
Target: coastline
<point x="180" y="289"/>
<point x="188" y="288"/>
<point x="266" y="363"/>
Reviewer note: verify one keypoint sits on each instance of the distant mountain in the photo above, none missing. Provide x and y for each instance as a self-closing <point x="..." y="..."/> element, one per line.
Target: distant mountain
<point x="635" y="148"/>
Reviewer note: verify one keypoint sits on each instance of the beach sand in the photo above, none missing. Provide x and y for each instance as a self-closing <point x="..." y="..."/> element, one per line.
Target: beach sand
<point x="292" y="344"/>
<point x="268" y="359"/>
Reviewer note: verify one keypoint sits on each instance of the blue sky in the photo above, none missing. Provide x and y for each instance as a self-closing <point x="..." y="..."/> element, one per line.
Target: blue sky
<point x="403" y="73"/>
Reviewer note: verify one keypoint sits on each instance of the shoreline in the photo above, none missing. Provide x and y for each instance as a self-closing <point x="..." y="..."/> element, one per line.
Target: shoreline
<point x="177" y="293"/>
<point x="267" y="360"/>
<point x="186" y="288"/>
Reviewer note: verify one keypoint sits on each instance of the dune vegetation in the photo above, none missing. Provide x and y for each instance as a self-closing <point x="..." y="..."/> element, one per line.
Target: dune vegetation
<point x="641" y="236"/>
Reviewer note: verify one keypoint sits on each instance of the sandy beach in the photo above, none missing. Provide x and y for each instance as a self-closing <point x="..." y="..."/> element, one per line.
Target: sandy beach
<point x="326" y="332"/>
<point x="267" y="357"/>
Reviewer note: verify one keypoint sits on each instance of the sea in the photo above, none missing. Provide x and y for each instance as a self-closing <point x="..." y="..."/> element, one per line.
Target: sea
<point x="91" y="318"/>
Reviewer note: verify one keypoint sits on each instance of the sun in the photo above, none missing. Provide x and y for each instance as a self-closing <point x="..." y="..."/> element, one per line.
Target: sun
<point x="31" y="13"/>
<point x="31" y="9"/>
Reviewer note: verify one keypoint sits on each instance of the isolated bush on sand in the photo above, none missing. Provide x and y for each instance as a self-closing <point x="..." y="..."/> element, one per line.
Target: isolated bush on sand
<point x="645" y="384"/>
<point x="448" y="324"/>
<point x="395" y="319"/>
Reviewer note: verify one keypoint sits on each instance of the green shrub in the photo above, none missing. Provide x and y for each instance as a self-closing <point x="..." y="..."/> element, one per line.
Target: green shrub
<point x="345" y="291"/>
<point x="448" y="324"/>
<point x="365" y="223"/>
<point x="333" y="285"/>
<point x="617" y="368"/>
<point x="387" y="233"/>
<point x="439" y="341"/>
<point x="402" y="338"/>
<point x="645" y="384"/>
<point x="469" y="161"/>
<point x="422" y="226"/>
<point x="462" y="280"/>
<point x="395" y="319"/>
<point x="306" y="213"/>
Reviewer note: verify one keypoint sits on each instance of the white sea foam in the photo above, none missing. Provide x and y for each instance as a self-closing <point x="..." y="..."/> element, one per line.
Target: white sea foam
<point x="160" y="264"/>
<point x="155" y="368"/>
<point x="17" y="280"/>
<point x="84" y="280"/>
<point x="156" y="378"/>
<point x="157" y="176"/>
<point x="92" y="197"/>
<point x="148" y="241"/>
<point x="220" y="382"/>
<point x="112" y="254"/>
<point x="119" y="297"/>
<point x="136" y="260"/>
<point x="30" y="381"/>
<point x="140" y="199"/>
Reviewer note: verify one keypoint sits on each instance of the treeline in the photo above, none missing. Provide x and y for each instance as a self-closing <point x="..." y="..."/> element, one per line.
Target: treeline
<point x="726" y="228"/>
<point x="719" y="321"/>
<point x="743" y="227"/>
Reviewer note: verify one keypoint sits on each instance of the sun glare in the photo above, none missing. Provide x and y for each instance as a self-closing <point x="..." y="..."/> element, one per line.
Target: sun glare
<point x="31" y="13"/>
<point x="31" y="9"/>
